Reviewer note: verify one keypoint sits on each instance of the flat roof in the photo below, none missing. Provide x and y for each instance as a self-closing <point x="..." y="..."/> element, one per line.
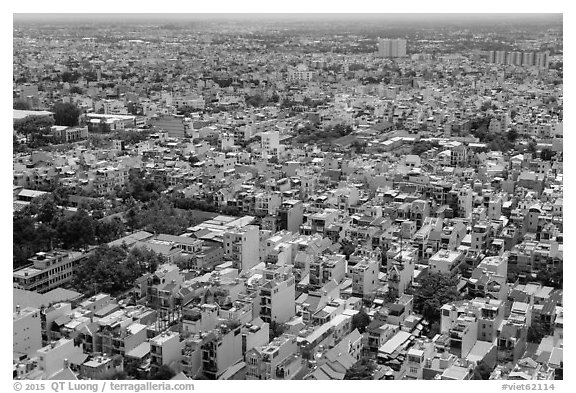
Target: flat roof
<point x="21" y="114"/>
<point x="140" y="351"/>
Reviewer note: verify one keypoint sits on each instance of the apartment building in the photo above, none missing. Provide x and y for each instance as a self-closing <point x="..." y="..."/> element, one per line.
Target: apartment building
<point x="392" y="48"/>
<point x="48" y="270"/>
<point x="105" y="180"/>
<point x="481" y="236"/>
<point x="242" y="246"/>
<point x="300" y="73"/>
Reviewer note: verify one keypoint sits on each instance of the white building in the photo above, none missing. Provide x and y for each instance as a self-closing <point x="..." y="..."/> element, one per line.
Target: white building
<point x="270" y="143"/>
<point x="53" y="357"/>
<point x="165" y="349"/>
<point x="242" y="245"/>
<point x="278" y="294"/>
<point x="27" y="337"/>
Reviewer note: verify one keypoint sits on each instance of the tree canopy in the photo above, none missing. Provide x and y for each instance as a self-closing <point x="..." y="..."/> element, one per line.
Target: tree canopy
<point x="482" y="371"/>
<point x="360" y="321"/>
<point x="162" y="373"/>
<point x="546" y="154"/>
<point x="310" y="134"/>
<point x="33" y="127"/>
<point x="44" y="225"/>
<point x="276" y="329"/>
<point x="422" y="146"/>
<point x="22" y="105"/>
<point x="66" y="114"/>
<point x="158" y="216"/>
<point x="140" y="188"/>
<point x="364" y="369"/>
<point x="434" y="291"/>
<point x="256" y="100"/>
<point x="113" y="270"/>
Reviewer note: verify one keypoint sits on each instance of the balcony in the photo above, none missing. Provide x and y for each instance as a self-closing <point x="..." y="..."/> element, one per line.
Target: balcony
<point x="266" y="311"/>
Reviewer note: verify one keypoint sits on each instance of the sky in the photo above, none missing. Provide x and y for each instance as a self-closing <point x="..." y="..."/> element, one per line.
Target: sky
<point x="396" y="17"/>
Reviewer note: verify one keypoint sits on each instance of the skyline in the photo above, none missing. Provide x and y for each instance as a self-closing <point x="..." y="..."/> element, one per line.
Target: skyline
<point x="288" y="196"/>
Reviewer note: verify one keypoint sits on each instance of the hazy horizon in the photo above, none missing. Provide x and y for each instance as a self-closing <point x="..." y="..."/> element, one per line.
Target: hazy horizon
<point x="296" y="17"/>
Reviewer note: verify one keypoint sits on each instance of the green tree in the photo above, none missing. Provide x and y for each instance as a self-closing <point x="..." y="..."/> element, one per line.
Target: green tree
<point x="364" y="369"/>
<point x="347" y="247"/>
<point x="360" y="321"/>
<point x="66" y="114"/>
<point x="114" y="269"/>
<point x="276" y="330"/>
<point x="482" y="371"/>
<point x="359" y="147"/>
<point x="559" y="372"/>
<point x="546" y="154"/>
<point x="536" y="333"/>
<point x="421" y="146"/>
<point x="434" y="291"/>
<point x="69" y="76"/>
<point x="21" y="105"/>
<point x="532" y="148"/>
<point x="512" y="135"/>
<point x="131" y="368"/>
<point x="230" y="211"/>
<point x="33" y="127"/>
<point x="107" y="231"/>
<point x="77" y="230"/>
<point x="158" y="216"/>
<point x="256" y="100"/>
<point x="119" y="375"/>
<point x="162" y="373"/>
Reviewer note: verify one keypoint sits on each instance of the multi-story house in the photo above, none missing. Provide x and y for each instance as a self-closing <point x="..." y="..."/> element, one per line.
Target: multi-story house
<point x="269" y="361"/>
<point x="27" y="336"/>
<point x="221" y="348"/>
<point x="277" y="294"/>
<point x="364" y="276"/>
<point x="165" y="349"/>
<point x="241" y="245"/>
<point x="327" y="268"/>
<point x="290" y="215"/>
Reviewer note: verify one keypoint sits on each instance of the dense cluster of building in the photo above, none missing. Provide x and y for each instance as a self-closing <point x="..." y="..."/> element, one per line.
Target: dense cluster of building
<point x="326" y="234"/>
